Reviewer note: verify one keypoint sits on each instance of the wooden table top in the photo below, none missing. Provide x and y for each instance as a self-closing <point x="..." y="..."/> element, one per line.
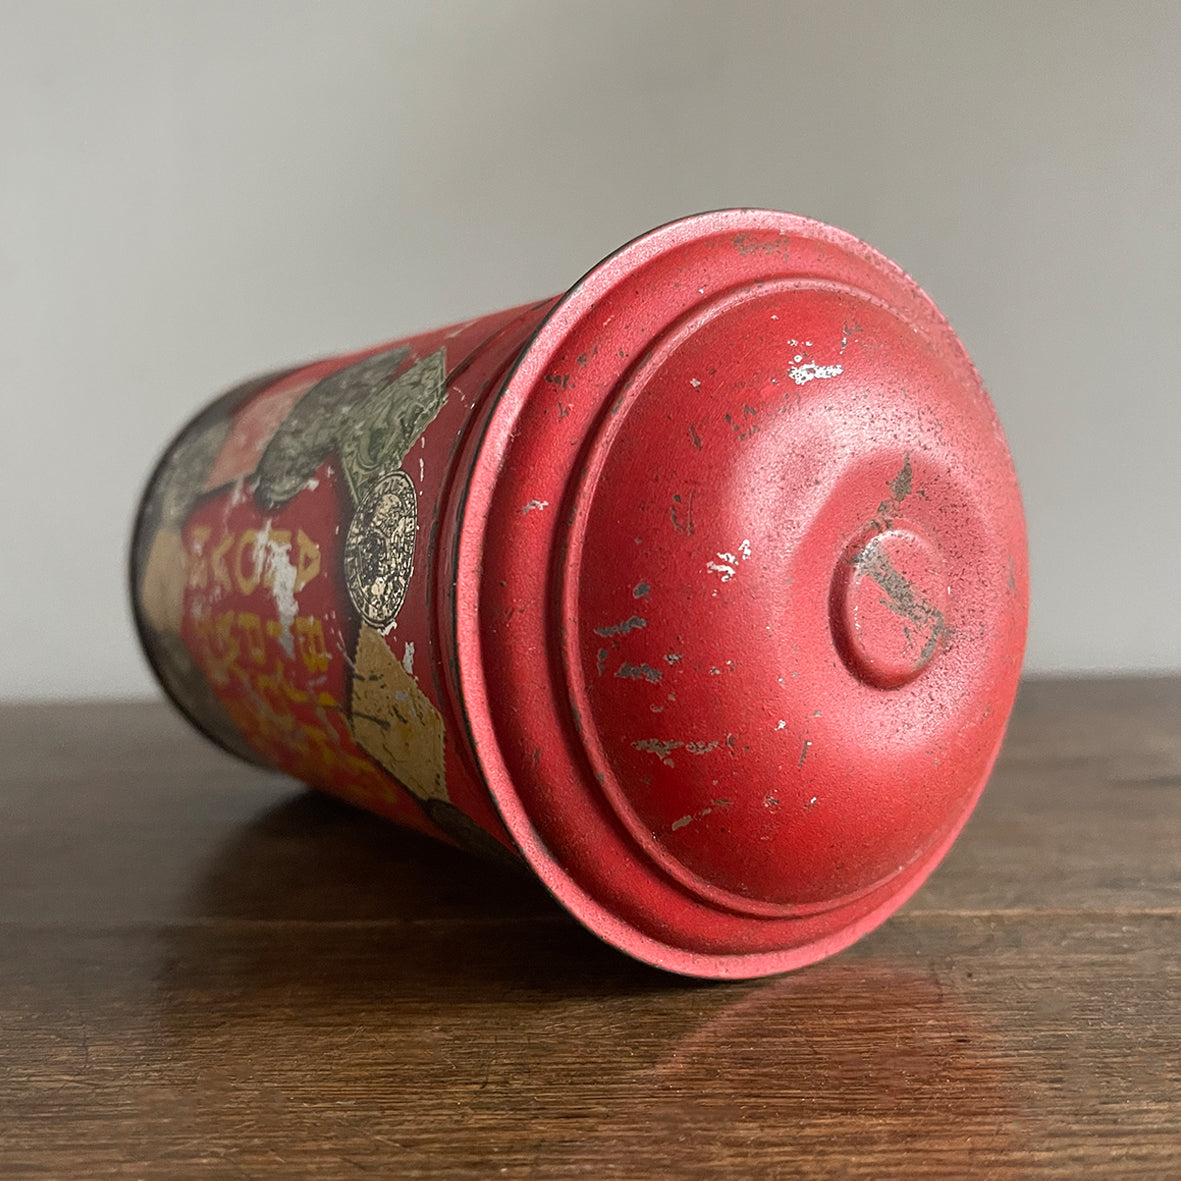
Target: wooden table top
<point x="208" y="972"/>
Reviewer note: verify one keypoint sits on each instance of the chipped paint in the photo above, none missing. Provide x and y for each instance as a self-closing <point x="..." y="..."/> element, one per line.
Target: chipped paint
<point x="658" y="747"/>
<point x="701" y="814"/>
<point x="727" y="563"/>
<point x="802" y="374"/>
<point x="900" y="488"/>
<point x="639" y="672"/>
<point x="621" y="629"/>
<point x="901" y="483"/>
<point x="274" y="558"/>
<point x="900" y="598"/>
<point x="683" y="521"/>
<point x="408" y="657"/>
<point x="700" y="748"/>
<point x="533" y="505"/>
<point x="640" y="590"/>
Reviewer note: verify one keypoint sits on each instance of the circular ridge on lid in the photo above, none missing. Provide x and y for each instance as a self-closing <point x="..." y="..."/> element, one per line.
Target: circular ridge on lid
<point x="723" y="708"/>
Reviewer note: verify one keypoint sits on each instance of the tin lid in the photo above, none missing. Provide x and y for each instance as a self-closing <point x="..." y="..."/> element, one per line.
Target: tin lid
<point x="741" y="593"/>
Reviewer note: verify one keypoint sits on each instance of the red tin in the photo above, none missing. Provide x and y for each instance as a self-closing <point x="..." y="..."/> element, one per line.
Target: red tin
<point x="701" y="587"/>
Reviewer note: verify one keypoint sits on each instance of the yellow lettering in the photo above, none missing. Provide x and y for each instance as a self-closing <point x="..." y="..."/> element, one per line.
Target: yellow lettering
<point x="307" y="563"/>
<point x="218" y="645"/>
<point x="247" y="543"/>
<point x="221" y="572"/>
<point x="293" y="692"/>
<point x="309" y="641"/>
<point x="250" y="626"/>
<point x="276" y="713"/>
<point x="227" y="640"/>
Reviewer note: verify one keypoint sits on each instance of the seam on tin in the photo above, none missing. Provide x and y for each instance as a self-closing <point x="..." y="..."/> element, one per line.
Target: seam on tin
<point x="440" y="674"/>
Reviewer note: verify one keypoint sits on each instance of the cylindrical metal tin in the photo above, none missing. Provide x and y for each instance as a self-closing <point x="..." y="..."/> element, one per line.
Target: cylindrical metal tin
<point x="701" y="588"/>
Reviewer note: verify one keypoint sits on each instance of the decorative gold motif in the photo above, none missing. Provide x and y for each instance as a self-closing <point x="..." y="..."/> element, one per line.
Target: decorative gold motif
<point x="393" y="720"/>
<point x="379" y="549"/>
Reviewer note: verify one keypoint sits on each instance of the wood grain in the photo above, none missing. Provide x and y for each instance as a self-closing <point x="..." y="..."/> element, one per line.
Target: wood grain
<point x="205" y="971"/>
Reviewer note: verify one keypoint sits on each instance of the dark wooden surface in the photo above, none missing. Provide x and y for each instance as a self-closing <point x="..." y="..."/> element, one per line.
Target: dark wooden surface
<point x="207" y="972"/>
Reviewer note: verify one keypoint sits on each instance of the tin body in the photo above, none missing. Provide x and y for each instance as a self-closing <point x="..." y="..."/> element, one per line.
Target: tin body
<point x="701" y="587"/>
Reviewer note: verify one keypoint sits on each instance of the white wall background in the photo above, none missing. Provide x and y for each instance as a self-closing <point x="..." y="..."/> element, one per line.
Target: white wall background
<point x="193" y="192"/>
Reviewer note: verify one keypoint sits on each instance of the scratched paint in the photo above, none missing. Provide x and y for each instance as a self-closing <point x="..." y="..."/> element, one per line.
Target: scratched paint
<point x="275" y="557"/>
<point x="621" y="629"/>
<point x="727" y="563"/>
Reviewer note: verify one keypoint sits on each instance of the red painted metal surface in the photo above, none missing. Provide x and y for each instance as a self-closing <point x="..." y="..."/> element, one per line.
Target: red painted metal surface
<point x="702" y="587"/>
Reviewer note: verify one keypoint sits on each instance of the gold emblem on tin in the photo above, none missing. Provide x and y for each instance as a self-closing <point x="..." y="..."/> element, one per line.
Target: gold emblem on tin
<point x="379" y="549"/>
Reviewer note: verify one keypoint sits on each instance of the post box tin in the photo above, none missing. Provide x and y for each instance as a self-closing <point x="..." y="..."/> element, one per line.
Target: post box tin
<point x="701" y="588"/>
